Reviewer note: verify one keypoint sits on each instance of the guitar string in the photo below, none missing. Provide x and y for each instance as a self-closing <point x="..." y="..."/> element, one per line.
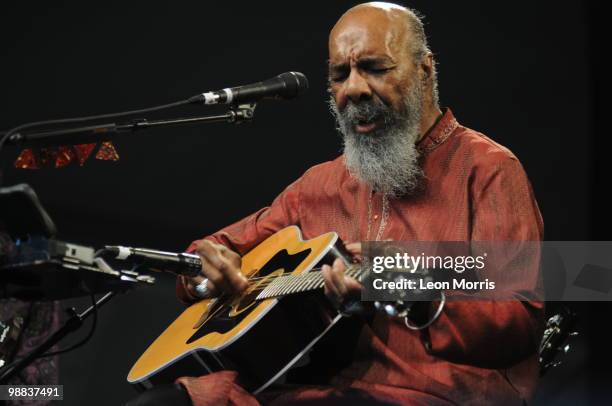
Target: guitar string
<point x="297" y="278"/>
<point x="262" y="287"/>
<point x="313" y="271"/>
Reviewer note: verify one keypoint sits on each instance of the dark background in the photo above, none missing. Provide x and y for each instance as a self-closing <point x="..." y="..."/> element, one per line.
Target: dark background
<point x="525" y="73"/>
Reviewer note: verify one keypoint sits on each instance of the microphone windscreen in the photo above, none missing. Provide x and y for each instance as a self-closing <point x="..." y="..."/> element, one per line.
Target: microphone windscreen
<point x="295" y="84"/>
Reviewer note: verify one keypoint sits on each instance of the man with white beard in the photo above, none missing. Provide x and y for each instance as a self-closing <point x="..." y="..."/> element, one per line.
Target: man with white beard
<point x="409" y="171"/>
<point x="386" y="158"/>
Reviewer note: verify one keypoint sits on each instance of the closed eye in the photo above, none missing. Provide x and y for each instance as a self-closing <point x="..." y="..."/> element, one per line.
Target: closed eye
<point x="337" y="78"/>
<point x="379" y="71"/>
<point x="338" y="73"/>
<point x="377" y="67"/>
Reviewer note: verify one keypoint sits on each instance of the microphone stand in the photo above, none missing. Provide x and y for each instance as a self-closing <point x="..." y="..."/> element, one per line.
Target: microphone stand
<point x="72" y="324"/>
<point x="93" y="133"/>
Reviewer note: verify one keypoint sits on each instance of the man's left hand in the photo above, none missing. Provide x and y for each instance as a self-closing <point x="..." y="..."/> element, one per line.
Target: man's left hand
<point x="338" y="286"/>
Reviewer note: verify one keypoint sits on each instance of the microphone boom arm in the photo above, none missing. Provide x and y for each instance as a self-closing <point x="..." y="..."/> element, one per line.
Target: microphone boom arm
<point x="102" y="132"/>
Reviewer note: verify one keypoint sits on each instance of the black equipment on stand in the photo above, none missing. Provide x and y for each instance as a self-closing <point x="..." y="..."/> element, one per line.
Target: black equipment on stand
<point x="36" y="266"/>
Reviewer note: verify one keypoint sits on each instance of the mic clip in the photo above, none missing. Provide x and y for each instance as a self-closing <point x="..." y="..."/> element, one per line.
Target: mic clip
<point x="242" y="112"/>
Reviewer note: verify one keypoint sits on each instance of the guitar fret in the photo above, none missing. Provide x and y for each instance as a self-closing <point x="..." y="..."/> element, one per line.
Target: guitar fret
<point x="312" y="283"/>
<point x="288" y="285"/>
<point x="295" y="286"/>
<point x="300" y="284"/>
<point x="275" y="288"/>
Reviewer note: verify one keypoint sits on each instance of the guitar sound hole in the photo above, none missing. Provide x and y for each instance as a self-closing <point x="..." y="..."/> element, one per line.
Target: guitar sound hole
<point x="248" y="298"/>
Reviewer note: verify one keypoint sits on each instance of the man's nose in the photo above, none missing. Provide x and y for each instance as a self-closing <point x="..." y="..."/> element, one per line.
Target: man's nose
<point x="357" y="87"/>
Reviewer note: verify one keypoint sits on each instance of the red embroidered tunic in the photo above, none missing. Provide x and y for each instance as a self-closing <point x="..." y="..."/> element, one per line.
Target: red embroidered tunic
<point x="475" y="189"/>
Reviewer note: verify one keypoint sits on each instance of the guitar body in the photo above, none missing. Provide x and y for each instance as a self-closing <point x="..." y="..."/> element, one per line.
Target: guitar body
<point x="261" y="339"/>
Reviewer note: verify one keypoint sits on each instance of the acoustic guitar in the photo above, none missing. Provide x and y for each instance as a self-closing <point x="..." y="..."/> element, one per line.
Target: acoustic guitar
<point x="261" y="333"/>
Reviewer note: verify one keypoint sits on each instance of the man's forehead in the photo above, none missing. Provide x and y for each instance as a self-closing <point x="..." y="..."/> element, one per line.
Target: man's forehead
<point x="366" y="31"/>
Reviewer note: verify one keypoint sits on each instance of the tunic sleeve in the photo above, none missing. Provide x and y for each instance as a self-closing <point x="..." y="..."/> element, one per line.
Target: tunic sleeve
<point x="497" y="334"/>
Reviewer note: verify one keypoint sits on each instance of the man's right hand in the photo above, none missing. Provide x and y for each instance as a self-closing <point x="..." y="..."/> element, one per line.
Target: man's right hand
<point x="222" y="268"/>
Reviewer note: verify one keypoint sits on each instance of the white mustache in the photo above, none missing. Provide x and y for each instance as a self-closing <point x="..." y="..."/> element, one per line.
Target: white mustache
<point x="366" y="111"/>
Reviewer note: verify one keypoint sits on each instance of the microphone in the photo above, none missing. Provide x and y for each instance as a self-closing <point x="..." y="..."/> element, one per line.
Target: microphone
<point x="285" y="86"/>
<point x="177" y="263"/>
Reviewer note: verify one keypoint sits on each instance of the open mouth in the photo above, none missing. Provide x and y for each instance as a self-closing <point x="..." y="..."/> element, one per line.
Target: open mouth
<point x="366" y="125"/>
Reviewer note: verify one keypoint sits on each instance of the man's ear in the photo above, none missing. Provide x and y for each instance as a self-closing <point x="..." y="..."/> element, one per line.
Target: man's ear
<point x="427" y="66"/>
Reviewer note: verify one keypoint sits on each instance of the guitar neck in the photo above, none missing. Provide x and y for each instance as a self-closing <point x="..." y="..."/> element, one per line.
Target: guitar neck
<point x="289" y="284"/>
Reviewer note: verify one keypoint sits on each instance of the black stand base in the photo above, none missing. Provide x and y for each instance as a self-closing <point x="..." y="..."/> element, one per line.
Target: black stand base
<point x="72" y="324"/>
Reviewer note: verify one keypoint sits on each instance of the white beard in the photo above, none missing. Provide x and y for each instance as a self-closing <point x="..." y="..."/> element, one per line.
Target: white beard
<point x="387" y="158"/>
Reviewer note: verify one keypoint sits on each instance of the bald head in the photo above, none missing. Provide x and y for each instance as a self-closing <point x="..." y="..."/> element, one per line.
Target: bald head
<point x="400" y="25"/>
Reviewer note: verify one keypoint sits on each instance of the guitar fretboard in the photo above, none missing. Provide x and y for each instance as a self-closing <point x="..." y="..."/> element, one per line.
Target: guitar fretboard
<point x="289" y="284"/>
